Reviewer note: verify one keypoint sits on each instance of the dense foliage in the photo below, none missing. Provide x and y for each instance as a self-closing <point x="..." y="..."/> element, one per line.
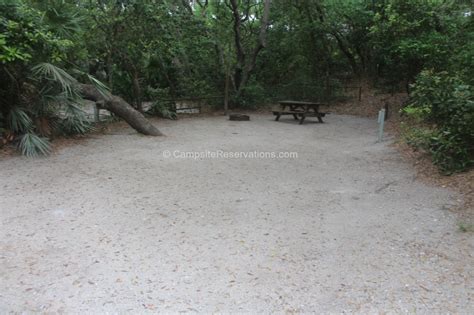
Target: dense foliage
<point x="37" y="97"/>
<point x="446" y="102"/>
<point x="157" y="50"/>
<point x="443" y="93"/>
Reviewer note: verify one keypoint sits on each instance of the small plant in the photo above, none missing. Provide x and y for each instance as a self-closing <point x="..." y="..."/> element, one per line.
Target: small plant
<point x="449" y="152"/>
<point x="466" y="227"/>
<point x="74" y="121"/>
<point x="417" y="113"/>
<point x="417" y="137"/>
<point x="32" y="145"/>
<point x="250" y="96"/>
<point x="163" y="109"/>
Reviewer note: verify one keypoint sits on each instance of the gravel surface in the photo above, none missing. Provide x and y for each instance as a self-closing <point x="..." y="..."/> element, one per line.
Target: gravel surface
<point x="110" y="225"/>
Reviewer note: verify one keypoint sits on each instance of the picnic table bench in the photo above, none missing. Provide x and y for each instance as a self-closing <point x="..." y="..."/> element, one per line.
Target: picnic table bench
<point x="299" y="109"/>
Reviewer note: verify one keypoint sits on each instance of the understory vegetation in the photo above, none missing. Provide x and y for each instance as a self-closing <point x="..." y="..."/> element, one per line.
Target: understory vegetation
<point x="154" y="51"/>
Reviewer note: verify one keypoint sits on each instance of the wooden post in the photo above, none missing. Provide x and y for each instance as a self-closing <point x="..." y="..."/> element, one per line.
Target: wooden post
<point x="226" y="93"/>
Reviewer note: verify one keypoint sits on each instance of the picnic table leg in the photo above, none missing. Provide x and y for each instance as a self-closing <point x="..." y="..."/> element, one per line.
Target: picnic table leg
<point x="295" y="116"/>
<point x="303" y="116"/>
<point x="277" y="117"/>
<point x="318" y="115"/>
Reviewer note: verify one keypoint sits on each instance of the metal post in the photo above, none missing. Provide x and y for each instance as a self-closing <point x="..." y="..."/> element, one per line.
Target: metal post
<point x="381" y="121"/>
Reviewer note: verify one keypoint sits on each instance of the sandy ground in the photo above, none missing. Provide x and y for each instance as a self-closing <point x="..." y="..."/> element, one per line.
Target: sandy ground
<point x="110" y="225"/>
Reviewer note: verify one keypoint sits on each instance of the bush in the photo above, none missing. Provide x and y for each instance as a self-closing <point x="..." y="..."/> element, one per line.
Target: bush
<point x="417" y="137"/>
<point x="450" y="152"/>
<point x="159" y="107"/>
<point x="163" y="109"/>
<point x="250" y="96"/>
<point x="446" y="102"/>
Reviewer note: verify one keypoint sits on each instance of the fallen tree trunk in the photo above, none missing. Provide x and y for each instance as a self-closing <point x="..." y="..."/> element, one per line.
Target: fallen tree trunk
<point x="122" y="109"/>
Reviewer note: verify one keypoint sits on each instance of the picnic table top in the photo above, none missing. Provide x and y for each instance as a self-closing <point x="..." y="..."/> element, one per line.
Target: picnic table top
<point x="288" y="102"/>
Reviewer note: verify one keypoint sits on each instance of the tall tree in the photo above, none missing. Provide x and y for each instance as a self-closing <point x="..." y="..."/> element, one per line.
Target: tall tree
<point x="242" y="13"/>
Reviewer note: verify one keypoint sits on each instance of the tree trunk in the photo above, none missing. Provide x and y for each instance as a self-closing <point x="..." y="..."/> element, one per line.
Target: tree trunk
<point x="245" y="65"/>
<point x="226" y="93"/>
<point x="347" y="52"/>
<point x="119" y="107"/>
<point x="137" y="91"/>
<point x="339" y="38"/>
<point x="261" y="43"/>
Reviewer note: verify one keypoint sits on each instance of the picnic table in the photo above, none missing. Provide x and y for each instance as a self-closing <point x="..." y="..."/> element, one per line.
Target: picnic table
<point x="299" y="109"/>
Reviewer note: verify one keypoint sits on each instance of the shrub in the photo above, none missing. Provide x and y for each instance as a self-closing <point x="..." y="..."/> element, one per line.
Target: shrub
<point x="417" y="137"/>
<point x="163" y="109"/>
<point x="446" y="102"/>
<point x="251" y="96"/>
<point x="450" y="152"/>
<point x="159" y="107"/>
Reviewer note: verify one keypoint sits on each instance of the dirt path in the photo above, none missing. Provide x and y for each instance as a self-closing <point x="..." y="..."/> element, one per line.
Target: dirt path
<point x="110" y="225"/>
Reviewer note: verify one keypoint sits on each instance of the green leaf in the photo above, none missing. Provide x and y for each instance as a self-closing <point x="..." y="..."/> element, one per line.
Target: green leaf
<point x="32" y="145"/>
<point x="50" y="72"/>
<point x="18" y="120"/>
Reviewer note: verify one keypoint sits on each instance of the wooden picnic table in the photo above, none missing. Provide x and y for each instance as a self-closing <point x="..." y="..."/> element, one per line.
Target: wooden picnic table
<point x="299" y="109"/>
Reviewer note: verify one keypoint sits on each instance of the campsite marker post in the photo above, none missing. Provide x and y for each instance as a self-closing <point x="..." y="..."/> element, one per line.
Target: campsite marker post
<point x="381" y="121"/>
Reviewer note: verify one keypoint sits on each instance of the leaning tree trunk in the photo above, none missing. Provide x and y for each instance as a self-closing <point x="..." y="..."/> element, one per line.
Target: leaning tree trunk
<point x="119" y="107"/>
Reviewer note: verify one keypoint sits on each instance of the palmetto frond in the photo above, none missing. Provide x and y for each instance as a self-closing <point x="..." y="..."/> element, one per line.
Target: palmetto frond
<point x="62" y="17"/>
<point x="18" y="120"/>
<point x="32" y="145"/>
<point x="66" y="23"/>
<point x="74" y="120"/>
<point x="99" y="85"/>
<point x="55" y="74"/>
<point x="103" y="89"/>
